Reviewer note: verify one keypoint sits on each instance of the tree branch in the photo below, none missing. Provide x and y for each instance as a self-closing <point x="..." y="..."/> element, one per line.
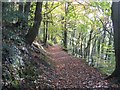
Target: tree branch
<point x="53" y="9"/>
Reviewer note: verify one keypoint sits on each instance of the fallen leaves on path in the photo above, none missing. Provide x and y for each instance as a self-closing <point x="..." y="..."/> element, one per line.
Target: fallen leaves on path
<point x="71" y="72"/>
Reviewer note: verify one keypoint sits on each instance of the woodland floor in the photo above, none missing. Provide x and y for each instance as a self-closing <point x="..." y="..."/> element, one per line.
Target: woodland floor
<point x="72" y="72"/>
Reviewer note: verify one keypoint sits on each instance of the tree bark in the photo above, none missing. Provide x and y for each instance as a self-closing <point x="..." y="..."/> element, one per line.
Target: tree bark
<point x="87" y="49"/>
<point x="46" y="24"/>
<point x="33" y="32"/>
<point x="65" y="26"/>
<point x="46" y="35"/>
<point x="27" y="9"/>
<point x="116" y="27"/>
<point x="25" y="19"/>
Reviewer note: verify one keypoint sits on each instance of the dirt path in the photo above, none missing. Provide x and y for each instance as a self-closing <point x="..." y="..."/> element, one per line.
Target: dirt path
<point x="71" y="72"/>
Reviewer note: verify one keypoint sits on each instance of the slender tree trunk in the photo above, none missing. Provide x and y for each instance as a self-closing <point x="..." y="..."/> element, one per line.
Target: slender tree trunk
<point x="87" y="49"/>
<point x="46" y="34"/>
<point x="65" y="25"/>
<point x="65" y="37"/>
<point x="51" y="37"/>
<point x="33" y="32"/>
<point x="44" y="27"/>
<point x="107" y="56"/>
<point x="98" y="46"/>
<point x="93" y="52"/>
<point x="25" y="20"/>
<point x="73" y="42"/>
<point x="103" y="42"/>
<point x="46" y="22"/>
<point x="81" y="46"/>
<point x="21" y="11"/>
<point x="27" y="9"/>
<point x="84" y="46"/>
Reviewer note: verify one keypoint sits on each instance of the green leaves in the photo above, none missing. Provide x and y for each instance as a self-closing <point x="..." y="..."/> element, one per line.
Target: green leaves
<point x="79" y="20"/>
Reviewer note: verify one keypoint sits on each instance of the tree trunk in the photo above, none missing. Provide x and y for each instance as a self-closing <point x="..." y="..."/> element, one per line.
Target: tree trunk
<point x="73" y="42"/>
<point x="27" y="9"/>
<point x="25" y="26"/>
<point x="87" y="49"/>
<point x="65" y="25"/>
<point x="33" y="32"/>
<point x="107" y="56"/>
<point x="116" y="27"/>
<point x="46" y="24"/>
<point x="65" y="37"/>
<point x="21" y="12"/>
<point x="103" y="42"/>
<point x="44" y="29"/>
<point x="46" y="35"/>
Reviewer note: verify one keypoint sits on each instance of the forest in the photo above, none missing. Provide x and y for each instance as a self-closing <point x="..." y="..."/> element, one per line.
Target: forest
<point x="60" y="45"/>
